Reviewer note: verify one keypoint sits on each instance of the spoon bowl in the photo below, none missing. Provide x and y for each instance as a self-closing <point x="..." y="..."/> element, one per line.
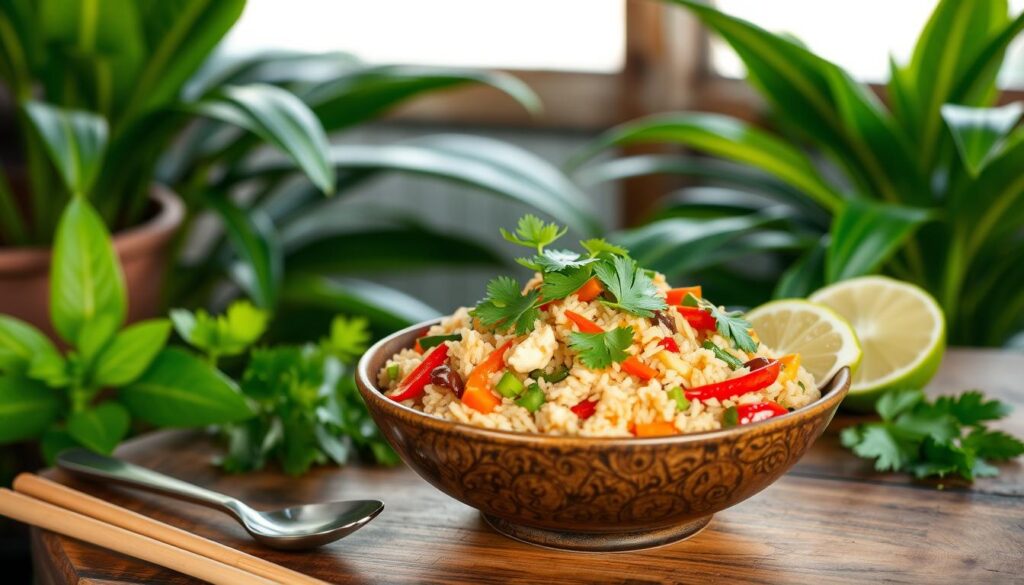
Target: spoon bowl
<point x="292" y="528"/>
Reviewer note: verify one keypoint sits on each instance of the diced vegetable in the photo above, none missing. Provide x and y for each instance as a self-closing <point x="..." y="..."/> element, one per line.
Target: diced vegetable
<point x="478" y="395"/>
<point x="790" y="367"/>
<point x="413" y="384"/>
<point x="669" y="344"/>
<point x="655" y="429"/>
<point x="699" y="319"/>
<point x="730" y="417"/>
<point x="583" y="324"/>
<point x="676" y="295"/>
<point x="533" y="399"/>
<point x="733" y="361"/>
<point x="676" y="394"/>
<point x="445" y="377"/>
<point x="748" y="413"/>
<point x="635" y="367"/>
<point x="509" y="386"/>
<point x="560" y="373"/>
<point x="393" y="371"/>
<point x="430" y="341"/>
<point x="585" y="409"/>
<point x="590" y="290"/>
<point x="418" y="348"/>
<point x="752" y="382"/>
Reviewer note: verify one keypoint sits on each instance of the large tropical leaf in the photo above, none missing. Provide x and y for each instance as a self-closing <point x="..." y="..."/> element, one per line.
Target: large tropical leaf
<point x="273" y="67"/>
<point x="280" y="118"/>
<point x="18" y="45"/>
<point x="366" y="93"/>
<point x="805" y="275"/>
<point x="386" y="308"/>
<point x="729" y="138"/>
<point x="180" y="35"/>
<point x="866" y="234"/>
<point x="818" y="98"/>
<point x="256" y="243"/>
<point x="979" y="132"/>
<point x="492" y="165"/>
<point x="75" y="141"/>
<point x="977" y="79"/>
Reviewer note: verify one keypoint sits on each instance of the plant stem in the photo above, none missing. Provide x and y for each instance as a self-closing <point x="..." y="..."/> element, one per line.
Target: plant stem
<point x="953" y="280"/>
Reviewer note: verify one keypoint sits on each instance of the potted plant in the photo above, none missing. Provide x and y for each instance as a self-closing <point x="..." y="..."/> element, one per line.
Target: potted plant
<point x="926" y="188"/>
<point x="187" y="134"/>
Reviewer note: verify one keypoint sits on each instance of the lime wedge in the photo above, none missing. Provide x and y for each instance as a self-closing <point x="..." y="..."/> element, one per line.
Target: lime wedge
<point x="901" y="329"/>
<point x="824" y="340"/>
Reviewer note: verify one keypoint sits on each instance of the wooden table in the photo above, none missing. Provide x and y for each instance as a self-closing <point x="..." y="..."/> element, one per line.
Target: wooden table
<point x="831" y="519"/>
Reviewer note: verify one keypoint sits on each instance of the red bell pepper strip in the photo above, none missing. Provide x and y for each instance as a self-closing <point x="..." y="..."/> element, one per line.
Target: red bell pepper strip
<point x="590" y="290"/>
<point x="477" y="394"/>
<point x="675" y="296"/>
<point x="699" y="319"/>
<point x="637" y="368"/>
<point x="585" y="409"/>
<point x="752" y="382"/>
<point x="748" y="413"/>
<point x="585" y="325"/>
<point x="669" y="344"/>
<point x="413" y="384"/>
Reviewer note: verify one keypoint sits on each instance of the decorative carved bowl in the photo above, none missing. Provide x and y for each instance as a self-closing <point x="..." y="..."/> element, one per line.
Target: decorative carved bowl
<point x="590" y="493"/>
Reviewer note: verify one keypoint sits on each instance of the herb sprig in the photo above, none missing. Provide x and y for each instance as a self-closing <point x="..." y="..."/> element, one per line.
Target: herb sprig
<point x="598" y="350"/>
<point x="730" y="324"/>
<point x="944" y="437"/>
<point x="633" y="290"/>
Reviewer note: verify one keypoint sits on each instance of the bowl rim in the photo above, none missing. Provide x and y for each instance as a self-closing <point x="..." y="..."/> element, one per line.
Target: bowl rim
<point x="832" y="391"/>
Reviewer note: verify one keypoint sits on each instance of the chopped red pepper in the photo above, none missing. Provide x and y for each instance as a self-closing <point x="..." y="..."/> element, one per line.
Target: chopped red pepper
<point x="585" y="409"/>
<point x="585" y="325"/>
<point x="752" y="382"/>
<point x="676" y="295"/>
<point x="635" y="367"/>
<point x="413" y="384"/>
<point x="748" y="413"/>
<point x="698" y="318"/>
<point x="669" y="344"/>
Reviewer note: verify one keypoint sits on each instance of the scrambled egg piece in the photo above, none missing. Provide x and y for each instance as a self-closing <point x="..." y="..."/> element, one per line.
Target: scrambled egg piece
<point x="535" y="351"/>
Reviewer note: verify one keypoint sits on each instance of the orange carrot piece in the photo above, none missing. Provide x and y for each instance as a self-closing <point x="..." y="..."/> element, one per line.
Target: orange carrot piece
<point x="585" y="325"/>
<point x="675" y="296"/>
<point x="477" y="394"/>
<point x="637" y="368"/>
<point x="655" y="429"/>
<point x="590" y="290"/>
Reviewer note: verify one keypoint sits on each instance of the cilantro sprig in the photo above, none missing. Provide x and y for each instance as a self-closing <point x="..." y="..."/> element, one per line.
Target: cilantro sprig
<point x="598" y="350"/>
<point x="730" y="324"/>
<point x="505" y="307"/>
<point x="944" y="437"/>
<point x="633" y="290"/>
<point x="533" y="232"/>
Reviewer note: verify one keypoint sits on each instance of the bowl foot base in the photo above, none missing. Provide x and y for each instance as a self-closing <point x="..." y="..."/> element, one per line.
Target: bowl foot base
<point x="597" y="541"/>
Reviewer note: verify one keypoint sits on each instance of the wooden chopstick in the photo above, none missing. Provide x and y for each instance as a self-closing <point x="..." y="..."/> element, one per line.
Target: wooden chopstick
<point x="105" y="512"/>
<point x="38" y="513"/>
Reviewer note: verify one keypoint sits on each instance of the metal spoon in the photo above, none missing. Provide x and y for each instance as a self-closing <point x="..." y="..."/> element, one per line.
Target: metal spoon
<point x="298" y="527"/>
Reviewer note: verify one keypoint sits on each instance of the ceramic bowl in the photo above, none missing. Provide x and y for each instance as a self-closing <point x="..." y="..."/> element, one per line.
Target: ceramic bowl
<point x="590" y="493"/>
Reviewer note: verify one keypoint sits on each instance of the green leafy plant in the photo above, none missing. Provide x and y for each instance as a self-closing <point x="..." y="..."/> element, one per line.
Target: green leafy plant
<point x="111" y="374"/>
<point x="308" y="410"/>
<point x="925" y="189"/>
<point x="140" y="78"/>
<point x="944" y="437"/>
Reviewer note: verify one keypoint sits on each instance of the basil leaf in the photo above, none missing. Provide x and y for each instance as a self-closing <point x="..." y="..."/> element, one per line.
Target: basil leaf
<point x="100" y="428"/>
<point x="130" y="353"/>
<point x="27" y="407"/>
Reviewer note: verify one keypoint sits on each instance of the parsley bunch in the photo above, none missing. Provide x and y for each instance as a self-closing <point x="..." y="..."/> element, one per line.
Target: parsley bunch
<point x="944" y="437"/>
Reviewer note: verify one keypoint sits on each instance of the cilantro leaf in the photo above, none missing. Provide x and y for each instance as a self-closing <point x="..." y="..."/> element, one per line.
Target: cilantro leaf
<point x="894" y="403"/>
<point x="875" y="441"/>
<point x="971" y="408"/>
<point x="559" y="285"/>
<point x="633" y="290"/>
<point x="598" y="246"/>
<point x="349" y="338"/>
<point x="222" y="335"/>
<point x="994" y="445"/>
<point x="505" y="307"/>
<point x="556" y="260"/>
<point x="533" y="232"/>
<point x="730" y="324"/>
<point x="598" y="350"/>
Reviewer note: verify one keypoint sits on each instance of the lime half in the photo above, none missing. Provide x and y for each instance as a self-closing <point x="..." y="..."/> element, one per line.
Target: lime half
<point x="901" y="329"/>
<point x="824" y="340"/>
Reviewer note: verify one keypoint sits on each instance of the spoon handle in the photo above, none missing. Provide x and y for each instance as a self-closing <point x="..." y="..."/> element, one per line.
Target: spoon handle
<point x="94" y="465"/>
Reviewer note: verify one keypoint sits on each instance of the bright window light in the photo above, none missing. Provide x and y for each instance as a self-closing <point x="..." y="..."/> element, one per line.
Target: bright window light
<point x="857" y="35"/>
<point x="562" y="35"/>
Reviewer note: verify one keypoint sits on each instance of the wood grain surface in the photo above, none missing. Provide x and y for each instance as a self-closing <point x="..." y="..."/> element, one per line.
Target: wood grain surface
<point x="832" y="519"/>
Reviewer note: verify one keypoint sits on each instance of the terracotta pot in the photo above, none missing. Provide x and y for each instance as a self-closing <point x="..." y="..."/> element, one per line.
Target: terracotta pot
<point x="593" y="494"/>
<point x="143" y="250"/>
